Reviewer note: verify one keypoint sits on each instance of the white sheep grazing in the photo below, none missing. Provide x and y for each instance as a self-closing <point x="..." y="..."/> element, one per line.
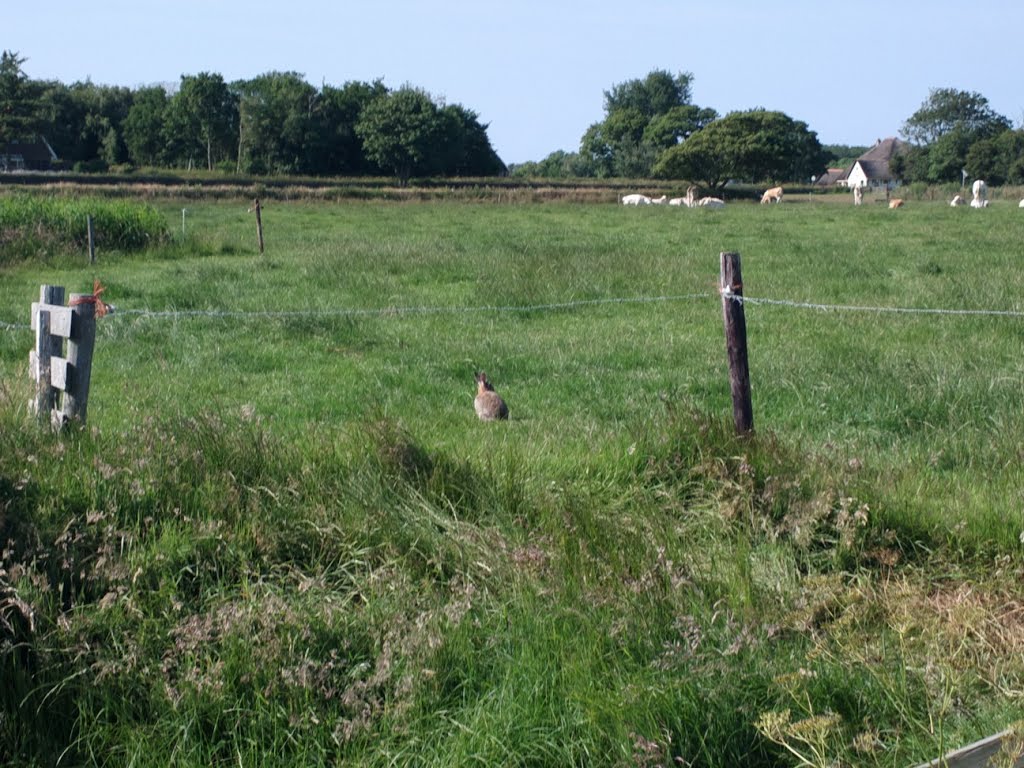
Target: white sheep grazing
<point x="636" y="200"/>
<point x="773" y="195"/>
<point x="979" y="190"/>
<point x="979" y="203"/>
<point x="896" y="203"/>
<point x="682" y="201"/>
<point x="957" y="200"/>
<point x="690" y="200"/>
<point x="1020" y="204"/>
<point x="659" y="200"/>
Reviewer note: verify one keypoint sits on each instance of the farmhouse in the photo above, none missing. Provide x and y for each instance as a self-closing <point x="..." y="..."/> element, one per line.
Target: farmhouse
<point x="27" y="156"/>
<point x="872" y="169"/>
<point x="832" y="176"/>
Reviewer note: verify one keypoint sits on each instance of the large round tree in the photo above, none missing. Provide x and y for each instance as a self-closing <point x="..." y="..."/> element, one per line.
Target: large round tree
<point x="754" y="146"/>
<point x="401" y="130"/>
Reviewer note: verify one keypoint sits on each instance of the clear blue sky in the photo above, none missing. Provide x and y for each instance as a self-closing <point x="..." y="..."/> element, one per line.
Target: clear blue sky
<point x="536" y="70"/>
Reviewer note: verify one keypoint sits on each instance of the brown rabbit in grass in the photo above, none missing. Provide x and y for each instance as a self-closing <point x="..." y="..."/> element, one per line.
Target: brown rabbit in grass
<point x="488" y="403"/>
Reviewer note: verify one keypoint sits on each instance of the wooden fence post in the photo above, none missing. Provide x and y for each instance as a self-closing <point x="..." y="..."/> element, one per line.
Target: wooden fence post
<point x="736" y="343"/>
<point x="80" y="348"/>
<point x="92" y="239"/>
<point x="259" y="222"/>
<point x="47" y="347"/>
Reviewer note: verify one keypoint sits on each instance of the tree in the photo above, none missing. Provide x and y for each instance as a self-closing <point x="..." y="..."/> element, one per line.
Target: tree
<point x="947" y="110"/>
<point x="643" y="117"/>
<point x="202" y="117"/>
<point x="17" y="101"/>
<point x="754" y="146"/>
<point x="401" y="131"/>
<point x="655" y="95"/>
<point x="677" y="125"/>
<point x="61" y="119"/>
<point x="84" y="122"/>
<point x="143" y="127"/>
<point x="999" y="160"/>
<point x="336" y="148"/>
<point x="945" y="128"/>
<point x="276" y="125"/>
<point x="466" y="150"/>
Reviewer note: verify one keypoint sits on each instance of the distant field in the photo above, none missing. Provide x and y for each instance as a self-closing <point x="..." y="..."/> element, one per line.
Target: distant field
<point x="602" y="328"/>
<point x="386" y="308"/>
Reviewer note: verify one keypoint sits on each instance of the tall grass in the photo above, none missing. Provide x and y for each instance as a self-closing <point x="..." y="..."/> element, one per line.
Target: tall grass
<point x="33" y="226"/>
<point x="285" y="539"/>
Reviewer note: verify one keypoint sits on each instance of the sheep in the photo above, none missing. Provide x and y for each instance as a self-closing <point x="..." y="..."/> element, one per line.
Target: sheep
<point x="979" y="190"/>
<point x="979" y="203"/>
<point x="705" y="202"/>
<point x="636" y="199"/>
<point x="659" y="200"/>
<point x="957" y="200"/>
<point x="682" y="201"/>
<point x="1020" y="204"/>
<point x="772" y="195"/>
<point x="896" y="203"/>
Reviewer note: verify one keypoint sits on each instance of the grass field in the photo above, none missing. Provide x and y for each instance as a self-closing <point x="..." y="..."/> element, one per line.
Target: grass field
<point x="286" y="539"/>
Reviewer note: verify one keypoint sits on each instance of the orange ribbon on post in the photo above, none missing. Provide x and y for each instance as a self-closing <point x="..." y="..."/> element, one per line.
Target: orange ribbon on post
<point x="102" y="308"/>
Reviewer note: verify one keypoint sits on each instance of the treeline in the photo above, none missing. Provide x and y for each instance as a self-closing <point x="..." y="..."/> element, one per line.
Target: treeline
<point x="276" y="123"/>
<point x="651" y="128"/>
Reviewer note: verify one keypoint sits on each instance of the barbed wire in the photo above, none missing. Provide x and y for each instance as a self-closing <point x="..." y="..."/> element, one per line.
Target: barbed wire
<point x="382" y="311"/>
<point x="547" y="307"/>
<point x="881" y="310"/>
<point x="409" y="310"/>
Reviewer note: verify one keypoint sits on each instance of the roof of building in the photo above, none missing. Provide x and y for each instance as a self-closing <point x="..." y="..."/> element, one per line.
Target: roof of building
<point x="33" y="154"/>
<point x="875" y="162"/>
<point x="831" y="176"/>
<point x="884" y="149"/>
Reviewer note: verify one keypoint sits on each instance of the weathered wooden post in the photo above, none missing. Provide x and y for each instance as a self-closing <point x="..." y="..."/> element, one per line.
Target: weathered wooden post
<point x="48" y="346"/>
<point x="92" y="239"/>
<point x="80" y="348"/>
<point x="736" y="343"/>
<point x="259" y="222"/>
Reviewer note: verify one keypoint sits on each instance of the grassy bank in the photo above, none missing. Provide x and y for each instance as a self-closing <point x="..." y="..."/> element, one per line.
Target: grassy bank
<point x="286" y="539"/>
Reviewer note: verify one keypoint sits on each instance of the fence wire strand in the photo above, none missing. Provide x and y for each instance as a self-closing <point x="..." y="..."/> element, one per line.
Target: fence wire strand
<point x="523" y="308"/>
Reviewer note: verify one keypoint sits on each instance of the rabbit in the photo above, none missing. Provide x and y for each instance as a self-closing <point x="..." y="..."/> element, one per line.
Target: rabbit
<point x="488" y="403"/>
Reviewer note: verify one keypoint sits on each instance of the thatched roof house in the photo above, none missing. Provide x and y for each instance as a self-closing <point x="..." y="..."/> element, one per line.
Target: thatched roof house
<point x="872" y="169"/>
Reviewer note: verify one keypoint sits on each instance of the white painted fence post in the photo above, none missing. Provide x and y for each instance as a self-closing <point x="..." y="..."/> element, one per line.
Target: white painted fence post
<point x="53" y="322"/>
<point x="48" y="346"/>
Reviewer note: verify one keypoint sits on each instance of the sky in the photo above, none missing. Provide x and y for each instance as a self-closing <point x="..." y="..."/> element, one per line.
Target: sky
<point x="536" y="71"/>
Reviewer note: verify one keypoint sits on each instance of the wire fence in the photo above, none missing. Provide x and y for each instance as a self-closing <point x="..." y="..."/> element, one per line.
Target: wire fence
<point x="388" y="311"/>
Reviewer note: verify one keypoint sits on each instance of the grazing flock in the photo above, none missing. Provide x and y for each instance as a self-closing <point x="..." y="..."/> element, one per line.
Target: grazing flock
<point x="690" y="201"/>
<point x="979" y="198"/>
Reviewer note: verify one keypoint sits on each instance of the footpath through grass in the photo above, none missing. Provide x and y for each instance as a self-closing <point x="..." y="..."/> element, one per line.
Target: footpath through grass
<point x="286" y="539"/>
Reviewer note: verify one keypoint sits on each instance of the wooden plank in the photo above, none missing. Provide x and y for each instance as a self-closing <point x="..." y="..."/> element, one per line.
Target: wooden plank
<point x="80" y="349"/>
<point x="976" y="755"/>
<point x="61" y="372"/>
<point x="60" y="318"/>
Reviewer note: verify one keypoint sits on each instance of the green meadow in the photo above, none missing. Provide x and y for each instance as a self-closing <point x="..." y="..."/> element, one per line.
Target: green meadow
<point x="284" y="538"/>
